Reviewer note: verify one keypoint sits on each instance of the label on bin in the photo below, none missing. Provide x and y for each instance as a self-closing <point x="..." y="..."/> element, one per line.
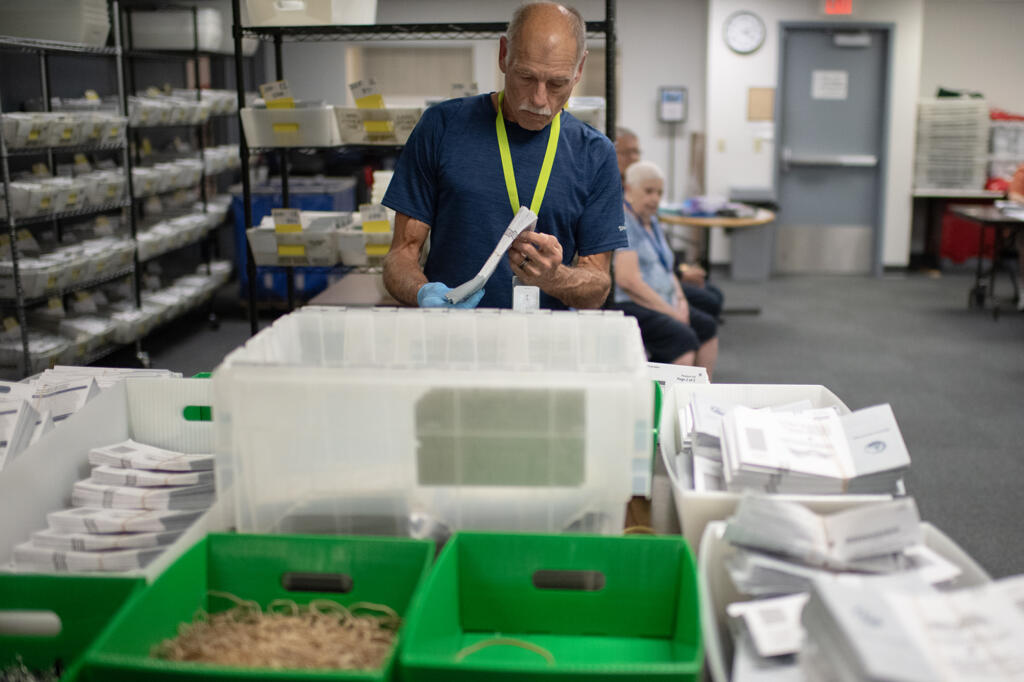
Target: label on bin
<point x="366" y="94"/>
<point x="377" y="249"/>
<point x="291" y="250"/>
<point x="277" y="95"/>
<point x="287" y="219"/>
<point x="375" y="218"/>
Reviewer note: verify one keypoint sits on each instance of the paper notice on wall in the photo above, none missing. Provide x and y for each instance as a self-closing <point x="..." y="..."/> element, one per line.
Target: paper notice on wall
<point x="830" y="84"/>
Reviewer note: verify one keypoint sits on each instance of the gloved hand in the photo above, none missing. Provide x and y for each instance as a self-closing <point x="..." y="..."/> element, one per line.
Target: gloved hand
<point x="432" y="295"/>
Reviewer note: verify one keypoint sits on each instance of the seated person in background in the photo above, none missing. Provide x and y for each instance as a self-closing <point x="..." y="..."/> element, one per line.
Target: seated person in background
<point x="1016" y="193"/>
<point x="647" y="289"/>
<point x="698" y="293"/>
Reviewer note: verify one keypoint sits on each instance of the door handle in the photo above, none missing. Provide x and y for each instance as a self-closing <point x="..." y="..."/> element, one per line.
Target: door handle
<point x="843" y="160"/>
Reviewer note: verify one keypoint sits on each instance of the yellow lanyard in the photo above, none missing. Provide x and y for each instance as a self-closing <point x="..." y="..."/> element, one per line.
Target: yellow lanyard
<point x="506" y="160"/>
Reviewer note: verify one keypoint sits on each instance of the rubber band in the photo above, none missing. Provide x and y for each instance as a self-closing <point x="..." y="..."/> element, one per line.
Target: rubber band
<point x="505" y="641"/>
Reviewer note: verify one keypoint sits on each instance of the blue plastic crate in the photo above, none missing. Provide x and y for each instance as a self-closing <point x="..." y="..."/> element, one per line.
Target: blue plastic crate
<point x="309" y="194"/>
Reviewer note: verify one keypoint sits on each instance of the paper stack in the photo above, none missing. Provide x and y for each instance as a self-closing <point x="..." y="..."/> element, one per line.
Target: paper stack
<point x="858" y="633"/>
<point x="813" y="451"/>
<point x="139" y="499"/>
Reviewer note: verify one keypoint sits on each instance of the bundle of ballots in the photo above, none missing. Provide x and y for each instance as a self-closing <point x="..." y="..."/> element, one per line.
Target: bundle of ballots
<point x="138" y="500"/>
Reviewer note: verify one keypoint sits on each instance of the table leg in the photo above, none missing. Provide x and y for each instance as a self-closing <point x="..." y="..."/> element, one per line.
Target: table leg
<point x="977" y="294"/>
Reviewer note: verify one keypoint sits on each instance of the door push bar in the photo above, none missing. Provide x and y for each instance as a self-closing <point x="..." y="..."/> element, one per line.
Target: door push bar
<point x="845" y="160"/>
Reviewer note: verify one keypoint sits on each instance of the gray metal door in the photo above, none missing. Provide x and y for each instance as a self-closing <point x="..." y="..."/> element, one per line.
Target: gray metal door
<point x="832" y="117"/>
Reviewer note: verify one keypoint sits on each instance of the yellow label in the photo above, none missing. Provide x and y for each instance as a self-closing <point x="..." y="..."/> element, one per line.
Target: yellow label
<point x="375" y="101"/>
<point x="51" y="282"/>
<point x="81" y="295"/>
<point x="147" y="146"/>
<point x="291" y="250"/>
<point x="377" y="226"/>
<point x="24" y="235"/>
<point x="33" y="134"/>
<point x="81" y="160"/>
<point x="286" y="128"/>
<point x="54" y="304"/>
<point x="4" y="240"/>
<point x="66" y="134"/>
<point x="377" y="249"/>
<point x="99" y="265"/>
<point x="44" y="202"/>
<point x="153" y="91"/>
<point x="286" y="228"/>
<point x="110" y="191"/>
<point x="72" y="198"/>
<point x="92" y="95"/>
<point x="283" y="103"/>
<point x="112" y="131"/>
<point x="10" y="324"/>
<point x="41" y="170"/>
<point x="102" y="221"/>
<point x="379" y="127"/>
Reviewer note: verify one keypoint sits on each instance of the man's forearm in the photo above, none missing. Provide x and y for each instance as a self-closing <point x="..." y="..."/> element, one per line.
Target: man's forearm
<point x="403" y="276"/>
<point x="579" y="287"/>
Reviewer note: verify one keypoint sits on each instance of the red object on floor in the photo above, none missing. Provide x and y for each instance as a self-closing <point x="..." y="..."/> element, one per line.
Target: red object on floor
<point x="960" y="239"/>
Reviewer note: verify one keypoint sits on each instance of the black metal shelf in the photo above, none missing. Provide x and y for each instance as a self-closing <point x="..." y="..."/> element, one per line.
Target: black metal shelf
<point x="36" y="45"/>
<point x="161" y="55"/>
<point x="81" y="286"/>
<point x="48" y="217"/>
<point x="67" y="149"/>
<point x="392" y="32"/>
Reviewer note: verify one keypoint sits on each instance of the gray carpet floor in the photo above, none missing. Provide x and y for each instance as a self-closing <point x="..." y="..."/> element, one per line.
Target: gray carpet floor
<point x="953" y="375"/>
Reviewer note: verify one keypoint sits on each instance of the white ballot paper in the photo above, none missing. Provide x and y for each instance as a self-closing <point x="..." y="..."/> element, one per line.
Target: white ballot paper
<point x="64" y="398"/>
<point x="773" y="624"/>
<point x="30" y="558"/>
<point x="833" y="540"/>
<point x="89" y="493"/>
<point x="108" y="475"/>
<point x="524" y="221"/>
<point x="89" y="542"/>
<point x="131" y="455"/>
<point x="98" y="520"/>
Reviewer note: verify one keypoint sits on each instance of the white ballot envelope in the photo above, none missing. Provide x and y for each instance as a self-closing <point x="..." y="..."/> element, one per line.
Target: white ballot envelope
<point x="524" y="221"/>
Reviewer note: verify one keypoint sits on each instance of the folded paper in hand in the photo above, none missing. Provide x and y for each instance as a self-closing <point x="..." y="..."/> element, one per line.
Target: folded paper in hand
<point x="524" y="221"/>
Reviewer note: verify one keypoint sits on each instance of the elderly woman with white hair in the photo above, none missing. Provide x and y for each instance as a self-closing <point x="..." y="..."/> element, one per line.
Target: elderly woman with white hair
<point x="647" y="289"/>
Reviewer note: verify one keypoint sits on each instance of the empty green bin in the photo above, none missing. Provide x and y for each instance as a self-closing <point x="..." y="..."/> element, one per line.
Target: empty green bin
<point x="502" y="607"/>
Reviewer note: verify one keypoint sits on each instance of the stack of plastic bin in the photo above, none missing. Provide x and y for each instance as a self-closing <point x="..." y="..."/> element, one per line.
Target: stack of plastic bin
<point x="410" y="421"/>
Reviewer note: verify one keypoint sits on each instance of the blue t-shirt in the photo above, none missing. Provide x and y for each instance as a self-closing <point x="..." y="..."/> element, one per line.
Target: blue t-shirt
<point x="449" y="176"/>
<point x="654" y="256"/>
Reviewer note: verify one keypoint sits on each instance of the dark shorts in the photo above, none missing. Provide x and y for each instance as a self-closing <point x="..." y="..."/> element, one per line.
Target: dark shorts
<point x="707" y="298"/>
<point x="666" y="338"/>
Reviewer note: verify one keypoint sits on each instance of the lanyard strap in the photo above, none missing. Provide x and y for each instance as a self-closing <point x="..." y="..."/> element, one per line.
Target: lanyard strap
<point x="506" y="160"/>
<point x="654" y="236"/>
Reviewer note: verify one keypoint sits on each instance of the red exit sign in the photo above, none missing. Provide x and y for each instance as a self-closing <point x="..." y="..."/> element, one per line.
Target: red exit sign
<point x="838" y="6"/>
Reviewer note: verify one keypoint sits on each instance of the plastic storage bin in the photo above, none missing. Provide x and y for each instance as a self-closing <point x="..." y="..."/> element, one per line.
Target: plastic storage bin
<point x="311" y="12"/>
<point x="484" y="420"/>
<point x="697" y="508"/>
<point x="255" y="567"/>
<point x="376" y="126"/>
<point x="308" y="194"/>
<point x="83" y="605"/>
<point x="603" y="608"/>
<point x="313" y="127"/>
<point x="717" y="590"/>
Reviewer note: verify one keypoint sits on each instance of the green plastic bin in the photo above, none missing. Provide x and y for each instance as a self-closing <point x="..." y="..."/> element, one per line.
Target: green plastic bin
<point x="381" y="570"/>
<point x="83" y="604"/>
<point x="604" y="608"/>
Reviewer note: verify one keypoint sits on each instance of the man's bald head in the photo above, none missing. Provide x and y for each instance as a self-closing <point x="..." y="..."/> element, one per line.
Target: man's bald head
<point x="549" y="19"/>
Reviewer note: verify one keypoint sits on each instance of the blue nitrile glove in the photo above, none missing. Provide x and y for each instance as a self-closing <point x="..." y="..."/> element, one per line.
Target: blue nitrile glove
<point x="432" y="295"/>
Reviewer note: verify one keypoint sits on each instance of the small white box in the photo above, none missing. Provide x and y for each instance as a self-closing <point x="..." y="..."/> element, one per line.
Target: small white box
<point x="717" y="590"/>
<point x="313" y="127"/>
<point x="351" y="247"/>
<point x="697" y="508"/>
<point x="311" y="12"/>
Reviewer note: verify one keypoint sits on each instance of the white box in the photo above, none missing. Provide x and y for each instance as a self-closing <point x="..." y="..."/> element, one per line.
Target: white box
<point x="352" y="247"/>
<point x="172" y="29"/>
<point x="357" y="126"/>
<point x="696" y="508"/>
<point x="146" y="410"/>
<point x="310" y="12"/>
<point x="413" y="419"/>
<point x="717" y="590"/>
<point x="313" y="127"/>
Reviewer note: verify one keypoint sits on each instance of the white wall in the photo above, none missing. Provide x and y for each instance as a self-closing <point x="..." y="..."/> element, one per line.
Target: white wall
<point x="737" y="156"/>
<point x="977" y="46"/>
